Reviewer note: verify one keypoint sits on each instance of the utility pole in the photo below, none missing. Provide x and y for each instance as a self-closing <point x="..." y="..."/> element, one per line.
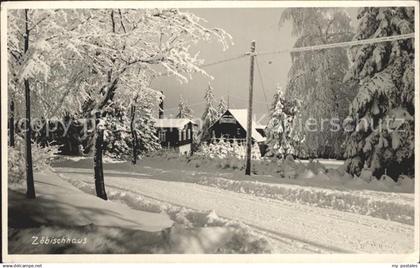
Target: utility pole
<point x="249" y="123"/>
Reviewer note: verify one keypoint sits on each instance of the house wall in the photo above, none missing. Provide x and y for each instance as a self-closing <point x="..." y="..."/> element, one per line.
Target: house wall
<point x="227" y="127"/>
<point x="174" y="137"/>
<point x="184" y="149"/>
<point x="230" y="129"/>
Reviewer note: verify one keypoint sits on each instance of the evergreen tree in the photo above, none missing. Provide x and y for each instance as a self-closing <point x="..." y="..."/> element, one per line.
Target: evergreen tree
<point x="130" y="130"/>
<point x="148" y="141"/>
<point x="283" y="135"/>
<point x="381" y="129"/>
<point x="221" y="107"/>
<point x="118" y="139"/>
<point x="210" y="114"/>
<point x="184" y="111"/>
<point x="316" y="77"/>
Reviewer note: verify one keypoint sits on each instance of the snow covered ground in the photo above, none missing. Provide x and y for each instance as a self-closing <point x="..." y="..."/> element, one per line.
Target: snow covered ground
<point x="328" y="163"/>
<point x="62" y="213"/>
<point x="270" y="217"/>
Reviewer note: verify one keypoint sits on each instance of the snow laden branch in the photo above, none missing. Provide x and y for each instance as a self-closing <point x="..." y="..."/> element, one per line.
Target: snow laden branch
<point x="98" y="62"/>
<point x="115" y="42"/>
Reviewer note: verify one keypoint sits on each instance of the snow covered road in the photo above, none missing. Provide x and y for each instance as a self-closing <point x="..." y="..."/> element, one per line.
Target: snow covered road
<point x="291" y="227"/>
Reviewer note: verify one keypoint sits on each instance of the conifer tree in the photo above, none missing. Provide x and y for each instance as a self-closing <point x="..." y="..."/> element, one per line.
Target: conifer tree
<point x="221" y="107"/>
<point x="210" y="114"/>
<point x="381" y="126"/>
<point x="283" y="135"/>
<point x="184" y="111"/>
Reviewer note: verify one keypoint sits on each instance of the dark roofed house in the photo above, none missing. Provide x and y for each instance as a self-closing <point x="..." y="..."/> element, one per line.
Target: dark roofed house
<point x="232" y="125"/>
<point x="176" y="134"/>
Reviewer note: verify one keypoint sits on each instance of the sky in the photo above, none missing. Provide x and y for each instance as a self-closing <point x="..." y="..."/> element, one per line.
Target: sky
<point x="232" y="78"/>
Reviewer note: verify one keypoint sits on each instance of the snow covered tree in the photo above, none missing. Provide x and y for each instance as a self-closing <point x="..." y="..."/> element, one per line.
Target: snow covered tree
<point x="104" y="50"/>
<point x="283" y="134"/>
<point x="35" y="43"/>
<point x="143" y="137"/>
<point x="381" y="125"/>
<point x="184" y="110"/>
<point x="129" y="132"/>
<point x="210" y="114"/>
<point x="126" y="43"/>
<point x="221" y="107"/>
<point x="316" y="77"/>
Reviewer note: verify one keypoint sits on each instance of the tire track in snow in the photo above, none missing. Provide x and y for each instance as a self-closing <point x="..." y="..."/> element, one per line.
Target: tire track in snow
<point x="306" y="228"/>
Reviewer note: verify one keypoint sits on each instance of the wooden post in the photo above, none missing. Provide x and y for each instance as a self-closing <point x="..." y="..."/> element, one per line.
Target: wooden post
<point x="249" y="123"/>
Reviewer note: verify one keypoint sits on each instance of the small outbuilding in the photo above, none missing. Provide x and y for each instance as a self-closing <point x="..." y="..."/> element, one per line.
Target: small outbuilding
<point x="175" y="133"/>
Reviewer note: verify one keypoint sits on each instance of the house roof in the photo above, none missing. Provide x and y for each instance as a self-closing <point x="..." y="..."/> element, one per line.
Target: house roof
<point x="241" y="116"/>
<point x="259" y="126"/>
<point x="172" y="122"/>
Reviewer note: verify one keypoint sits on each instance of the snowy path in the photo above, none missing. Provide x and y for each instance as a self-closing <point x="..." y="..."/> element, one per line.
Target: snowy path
<point x="293" y="227"/>
<point x="73" y="207"/>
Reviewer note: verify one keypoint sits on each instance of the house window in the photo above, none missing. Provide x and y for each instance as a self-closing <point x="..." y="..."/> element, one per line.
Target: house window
<point x="180" y="135"/>
<point x="189" y="134"/>
<point x="162" y="136"/>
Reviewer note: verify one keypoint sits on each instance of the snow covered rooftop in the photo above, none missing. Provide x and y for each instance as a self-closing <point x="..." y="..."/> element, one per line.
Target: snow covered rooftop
<point x="257" y="125"/>
<point x="172" y="122"/>
<point x="241" y="116"/>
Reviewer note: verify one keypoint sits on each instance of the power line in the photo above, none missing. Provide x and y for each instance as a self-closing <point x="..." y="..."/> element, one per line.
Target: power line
<point x="262" y="82"/>
<point x="308" y="48"/>
<point x="223" y="61"/>
<point x="209" y="64"/>
<point x="192" y="104"/>
<point x="341" y="44"/>
<point x="241" y="99"/>
<point x="298" y="49"/>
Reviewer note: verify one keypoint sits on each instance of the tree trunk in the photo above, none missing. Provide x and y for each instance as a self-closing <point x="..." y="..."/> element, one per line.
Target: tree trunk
<point x="98" y="164"/>
<point x="99" y="137"/>
<point x="133" y="134"/>
<point x="12" y="124"/>
<point x="30" y="191"/>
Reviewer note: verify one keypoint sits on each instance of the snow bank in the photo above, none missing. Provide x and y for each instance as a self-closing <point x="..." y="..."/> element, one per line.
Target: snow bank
<point x="308" y="173"/>
<point x="388" y="206"/>
<point x="194" y="231"/>
<point x="75" y="158"/>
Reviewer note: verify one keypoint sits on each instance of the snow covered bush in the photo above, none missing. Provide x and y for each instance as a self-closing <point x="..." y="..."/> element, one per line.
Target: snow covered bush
<point x="41" y="159"/>
<point x="225" y="149"/>
<point x="381" y="136"/>
<point x="16" y="162"/>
